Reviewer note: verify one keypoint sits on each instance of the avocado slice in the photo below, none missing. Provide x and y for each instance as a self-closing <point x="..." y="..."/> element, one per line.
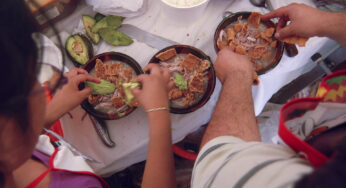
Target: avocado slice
<point x="180" y="82"/>
<point x="79" y="48"/>
<point x="88" y="23"/>
<point x="108" y="22"/>
<point x="98" y="16"/>
<point x="127" y="89"/>
<point x="103" y="88"/>
<point x="115" y="37"/>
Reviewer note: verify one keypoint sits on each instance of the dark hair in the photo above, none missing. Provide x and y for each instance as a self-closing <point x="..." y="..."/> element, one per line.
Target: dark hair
<point x="331" y="174"/>
<point x="18" y="67"/>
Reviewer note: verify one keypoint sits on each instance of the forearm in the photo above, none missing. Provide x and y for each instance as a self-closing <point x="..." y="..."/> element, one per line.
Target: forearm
<point x="234" y="113"/>
<point x="53" y="112"/>
<point x="159" y="168"/>
<point x="333" y="26"/>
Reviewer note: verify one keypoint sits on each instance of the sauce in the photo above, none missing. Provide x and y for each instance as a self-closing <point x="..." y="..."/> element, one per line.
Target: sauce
<point x="183" y="3"/>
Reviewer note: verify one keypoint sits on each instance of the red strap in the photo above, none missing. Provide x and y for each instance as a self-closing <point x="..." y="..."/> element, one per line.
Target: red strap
<point x="34" y="183"/>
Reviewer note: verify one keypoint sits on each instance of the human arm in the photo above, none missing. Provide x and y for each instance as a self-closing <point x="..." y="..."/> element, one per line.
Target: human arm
<point x="69" y="96"/>
<point x="159" y="168"/>
<point x="308" y="22"/>
<point x="234" y="112"/>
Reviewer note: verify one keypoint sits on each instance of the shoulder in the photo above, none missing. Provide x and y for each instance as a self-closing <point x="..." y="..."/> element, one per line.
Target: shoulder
<point x="228" y="161"/>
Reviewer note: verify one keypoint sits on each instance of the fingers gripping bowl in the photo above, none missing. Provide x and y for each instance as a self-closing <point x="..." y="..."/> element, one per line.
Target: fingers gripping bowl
<point x="246" y="34"/>
<point x="116" y="68"/>
<point x="193" y="74"/>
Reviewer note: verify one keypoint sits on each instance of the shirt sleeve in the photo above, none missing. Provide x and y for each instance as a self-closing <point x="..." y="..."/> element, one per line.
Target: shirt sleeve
<point x="231" y="162"/>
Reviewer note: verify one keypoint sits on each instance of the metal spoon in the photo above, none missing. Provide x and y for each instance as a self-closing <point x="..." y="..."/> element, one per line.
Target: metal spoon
<point x="291" y="49"/>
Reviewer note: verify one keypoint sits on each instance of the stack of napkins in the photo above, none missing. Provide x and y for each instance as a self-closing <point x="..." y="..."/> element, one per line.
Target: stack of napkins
<point x="126" y="8"/>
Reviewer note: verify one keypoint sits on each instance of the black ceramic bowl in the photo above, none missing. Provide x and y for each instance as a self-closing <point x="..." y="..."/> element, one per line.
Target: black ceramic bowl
<point x="89" y="66"/>
<point x="232" y="18"/>
<point x="185" y="49"/>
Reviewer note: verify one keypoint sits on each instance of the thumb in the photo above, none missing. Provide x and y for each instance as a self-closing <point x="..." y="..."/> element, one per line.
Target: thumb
<point x="85" y="92"/>
<point x="284" y="32"/>
<point x="136" y="92"/>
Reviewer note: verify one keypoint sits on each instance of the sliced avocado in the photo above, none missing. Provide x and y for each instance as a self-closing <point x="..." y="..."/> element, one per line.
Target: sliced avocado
<point x="98" y="16"/>
<point x="88" y="23"/>
<point x="78" y="48"/>
<point x="103" y="88"/>
<point x="180" y="82"/>
<point x="127" y="89"/>
<point x="112" y="22"/>
<point x="115" y="37"/>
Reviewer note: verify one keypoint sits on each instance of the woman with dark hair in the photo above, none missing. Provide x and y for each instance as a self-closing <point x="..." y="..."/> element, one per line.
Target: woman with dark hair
<point x="23" y="114"/>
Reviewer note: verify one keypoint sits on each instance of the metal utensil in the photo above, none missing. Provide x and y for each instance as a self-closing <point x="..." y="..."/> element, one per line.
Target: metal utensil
<point x="146" y="37"/>
<point x="102" y="131"/>
<point x="69" y="146"/>
<point x="321" y="69"/>
<point x="291" y="49"/>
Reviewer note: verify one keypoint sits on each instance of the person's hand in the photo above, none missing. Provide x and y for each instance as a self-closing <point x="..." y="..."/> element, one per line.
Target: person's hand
<point x="155" y="87"/>
<point x="305" y="21"/>
<point x="70" y="96"/>
<point x="229" y="64"/>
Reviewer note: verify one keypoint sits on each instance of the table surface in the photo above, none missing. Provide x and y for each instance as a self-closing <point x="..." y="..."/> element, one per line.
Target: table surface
<point x="131" y="133"/>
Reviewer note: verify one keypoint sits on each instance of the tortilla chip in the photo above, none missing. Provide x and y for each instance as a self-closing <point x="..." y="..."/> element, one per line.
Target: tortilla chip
<point x="240" y="50"/>
<point x="112" y="78"/>
<point x="190" y="61"/>
<point x="128" y="74"/>
<point x="99" y="69"/>
<point x="118" y="102"/>
<point x="202" y="66"/>
<point x="112" y="69"/>
<point x="238" y="27"/>
<point x="196" y="84"/>
<point x="257" y="52"/>
<point x="301" y="41"/>
<point x="175" y="93"/>
<point x="244" y="29"/>
<point x="167" y="55"/>
<point x="255" y="19"/>
<point x="232" y="45"/>
<point x="135" y="103"/>
<point x="269" y="32"/>
<point x="93" y="98"/>
<point x="221" y="44"/>
<point x="264" y="36"/>
<point x="189" y="98"/>
<point x="230" y="34"/>
<point x="273" y="44"/>
<point x="255" y="78"/>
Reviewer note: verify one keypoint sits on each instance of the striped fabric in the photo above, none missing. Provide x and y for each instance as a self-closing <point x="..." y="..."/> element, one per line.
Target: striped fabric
<point x="230" y="162"/>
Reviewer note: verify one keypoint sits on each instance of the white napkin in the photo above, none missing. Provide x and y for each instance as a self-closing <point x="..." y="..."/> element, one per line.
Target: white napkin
<point x="126" y="8"/>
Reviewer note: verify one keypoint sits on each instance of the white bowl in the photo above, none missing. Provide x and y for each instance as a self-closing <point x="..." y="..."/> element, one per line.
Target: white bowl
<point x="183" y="13"/>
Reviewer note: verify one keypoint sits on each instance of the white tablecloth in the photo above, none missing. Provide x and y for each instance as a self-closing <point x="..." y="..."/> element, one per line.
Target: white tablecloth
<point x="131" y="133"/>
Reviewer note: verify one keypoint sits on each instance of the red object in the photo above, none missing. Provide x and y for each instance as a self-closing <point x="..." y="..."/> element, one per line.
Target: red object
<point x="56" y="127"/>
<point x="183" y="153"/>
<point x="34" y="183"/>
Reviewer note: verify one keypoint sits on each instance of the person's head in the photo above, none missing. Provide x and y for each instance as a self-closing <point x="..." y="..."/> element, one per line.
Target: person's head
<point x="22" y="106"/>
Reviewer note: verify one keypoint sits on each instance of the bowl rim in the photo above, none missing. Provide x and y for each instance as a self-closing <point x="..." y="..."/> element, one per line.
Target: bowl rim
<point x="280" y="46"/>
<point x="134" y="65"/>
<point x="211" y="81"/>
<point x="182" y="8"/>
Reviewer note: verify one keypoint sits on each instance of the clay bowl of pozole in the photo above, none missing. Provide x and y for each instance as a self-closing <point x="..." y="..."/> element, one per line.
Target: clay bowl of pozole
<point x="193" y="74"/>
<point x="246" y="34"/>
<point x="116" y="68"/>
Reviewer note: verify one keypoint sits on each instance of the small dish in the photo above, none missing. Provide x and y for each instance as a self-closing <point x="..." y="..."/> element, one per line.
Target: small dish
<point x="208" y="74"/>
<point x="106" y="57"/>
